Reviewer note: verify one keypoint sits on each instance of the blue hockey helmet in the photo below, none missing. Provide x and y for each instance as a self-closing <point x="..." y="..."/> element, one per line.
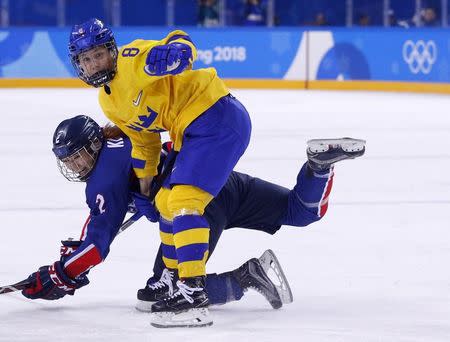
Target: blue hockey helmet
<point x="76" y="145"/>
<point x="88" y="36"/>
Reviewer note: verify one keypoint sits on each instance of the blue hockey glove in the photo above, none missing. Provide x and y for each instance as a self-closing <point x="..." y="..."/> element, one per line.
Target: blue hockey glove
<point x="170" y="59"/>
<point x="145" y="207"/>
<point x="50" y="283"/>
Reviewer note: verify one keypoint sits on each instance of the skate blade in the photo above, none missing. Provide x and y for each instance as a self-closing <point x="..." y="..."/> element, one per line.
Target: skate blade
<point x="269" y="261"/>
<point x="193" y="318"/>
<point x="347" y="144"/>
<point x="144" y="306"/>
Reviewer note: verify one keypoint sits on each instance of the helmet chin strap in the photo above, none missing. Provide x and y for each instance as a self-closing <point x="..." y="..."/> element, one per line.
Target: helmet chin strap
<point x="101" y="78"/>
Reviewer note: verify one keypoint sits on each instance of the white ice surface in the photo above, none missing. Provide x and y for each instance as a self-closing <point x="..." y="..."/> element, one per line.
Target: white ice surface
<point x="375" y="269"/>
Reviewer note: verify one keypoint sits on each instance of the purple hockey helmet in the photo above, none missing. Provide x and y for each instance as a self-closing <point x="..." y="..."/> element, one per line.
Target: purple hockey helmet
<point x="88" y="36"/>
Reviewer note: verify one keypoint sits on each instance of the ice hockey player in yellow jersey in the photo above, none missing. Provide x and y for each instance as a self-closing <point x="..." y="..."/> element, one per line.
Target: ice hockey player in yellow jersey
<point x="149" y="86"/>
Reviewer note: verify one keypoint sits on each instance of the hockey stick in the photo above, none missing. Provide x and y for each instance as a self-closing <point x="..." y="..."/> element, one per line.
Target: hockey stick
<point x="15" y="287"/>
<point x="22" y="285"/>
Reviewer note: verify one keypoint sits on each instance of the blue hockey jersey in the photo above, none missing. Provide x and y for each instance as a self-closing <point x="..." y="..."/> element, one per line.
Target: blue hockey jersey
<point x="108" y="192"/>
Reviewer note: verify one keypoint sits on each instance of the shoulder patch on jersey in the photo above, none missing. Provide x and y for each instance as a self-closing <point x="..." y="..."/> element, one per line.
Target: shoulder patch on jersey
<point x="115" y="143"/>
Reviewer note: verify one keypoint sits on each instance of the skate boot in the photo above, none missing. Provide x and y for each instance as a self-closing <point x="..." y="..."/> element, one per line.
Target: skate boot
<point x="187" y="307"/>
<point x="253" y="275"/>
<point x="323" y="153"/>
<point x="156" y="290"/>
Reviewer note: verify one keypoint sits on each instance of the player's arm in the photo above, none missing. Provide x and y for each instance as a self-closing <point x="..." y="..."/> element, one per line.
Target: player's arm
<point x="145" y="147"/>
<point x="145" y="158"/>
<point x="69" y="273"/>
<point x="171" y="55"/>
<point x="55" y="281"/>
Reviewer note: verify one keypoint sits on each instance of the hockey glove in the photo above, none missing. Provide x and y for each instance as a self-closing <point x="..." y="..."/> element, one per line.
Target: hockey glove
<point x="50" y="283"/>
<point x="145" y="207"/>
<point x="170" y="59"/>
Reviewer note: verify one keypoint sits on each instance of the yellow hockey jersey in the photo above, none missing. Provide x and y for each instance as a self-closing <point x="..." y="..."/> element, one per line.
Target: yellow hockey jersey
<point x="143" y="105"/>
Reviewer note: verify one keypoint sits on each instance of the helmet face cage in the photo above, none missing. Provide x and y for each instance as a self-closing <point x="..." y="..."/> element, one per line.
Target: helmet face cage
<point x="85" y="37"/>
<point x="78" y="166"/>
<point x="99" y="78"/>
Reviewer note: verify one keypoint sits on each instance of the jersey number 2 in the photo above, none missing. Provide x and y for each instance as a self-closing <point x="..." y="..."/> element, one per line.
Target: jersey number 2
<point x="101" y="203"/>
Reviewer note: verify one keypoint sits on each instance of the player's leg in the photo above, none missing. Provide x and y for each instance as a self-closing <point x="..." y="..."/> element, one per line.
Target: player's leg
<point x="191" y="237"/>
<point x="228" y="286"/>
<point x="159" y="284"/>
<point x="212" y="145"/>
<point x="253" y="274"/>
<point x="163" y="281"/>
<point x="308" y="200"/>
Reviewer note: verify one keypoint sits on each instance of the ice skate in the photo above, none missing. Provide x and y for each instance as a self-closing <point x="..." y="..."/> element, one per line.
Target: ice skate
<point x="270" y="263"/>
<point x="252" y="275"/>
<point x="323" y="153"/>
<point x="187" y="307"/>
<point x="156" y="290"/>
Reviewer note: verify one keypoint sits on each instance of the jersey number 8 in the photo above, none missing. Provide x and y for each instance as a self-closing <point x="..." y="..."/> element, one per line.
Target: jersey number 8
<point x="130" y="52"/>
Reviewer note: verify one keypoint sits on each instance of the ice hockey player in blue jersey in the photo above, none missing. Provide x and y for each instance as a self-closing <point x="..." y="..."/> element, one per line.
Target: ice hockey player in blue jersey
<point x="101" y="157"/>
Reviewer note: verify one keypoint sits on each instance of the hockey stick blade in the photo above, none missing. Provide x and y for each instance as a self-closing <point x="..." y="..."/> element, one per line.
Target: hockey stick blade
<point x="269" y="261"/>
<point x="15" y="287"/>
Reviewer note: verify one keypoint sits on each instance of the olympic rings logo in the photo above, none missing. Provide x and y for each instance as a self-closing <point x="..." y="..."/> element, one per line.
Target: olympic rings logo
<point x="420" y="56"/>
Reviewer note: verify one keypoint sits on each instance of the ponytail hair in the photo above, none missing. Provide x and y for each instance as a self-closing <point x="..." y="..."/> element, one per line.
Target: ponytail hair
<point x="112" y="132"/>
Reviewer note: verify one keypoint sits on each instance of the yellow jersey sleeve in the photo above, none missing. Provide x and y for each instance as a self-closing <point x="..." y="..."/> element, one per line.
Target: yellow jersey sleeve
<point x="145" y="157"/>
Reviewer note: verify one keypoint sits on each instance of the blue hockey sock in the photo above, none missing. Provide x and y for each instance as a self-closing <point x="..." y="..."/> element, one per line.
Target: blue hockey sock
<point x="308" y="201"/>
<point x="223" y="288"/>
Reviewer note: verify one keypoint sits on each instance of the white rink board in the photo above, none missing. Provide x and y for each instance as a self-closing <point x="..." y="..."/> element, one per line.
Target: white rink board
<point x="374" y="269"/>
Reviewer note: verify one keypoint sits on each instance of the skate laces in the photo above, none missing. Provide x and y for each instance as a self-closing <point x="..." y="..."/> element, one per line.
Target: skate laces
<point x="185" y="291"/>
<point x="165" y="280"/>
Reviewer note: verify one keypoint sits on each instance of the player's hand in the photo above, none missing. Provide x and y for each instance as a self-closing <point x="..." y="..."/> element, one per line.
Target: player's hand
<point x="168" y="59"/>
<point x="145" y="207"/>
<point x="51" y="282"/>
